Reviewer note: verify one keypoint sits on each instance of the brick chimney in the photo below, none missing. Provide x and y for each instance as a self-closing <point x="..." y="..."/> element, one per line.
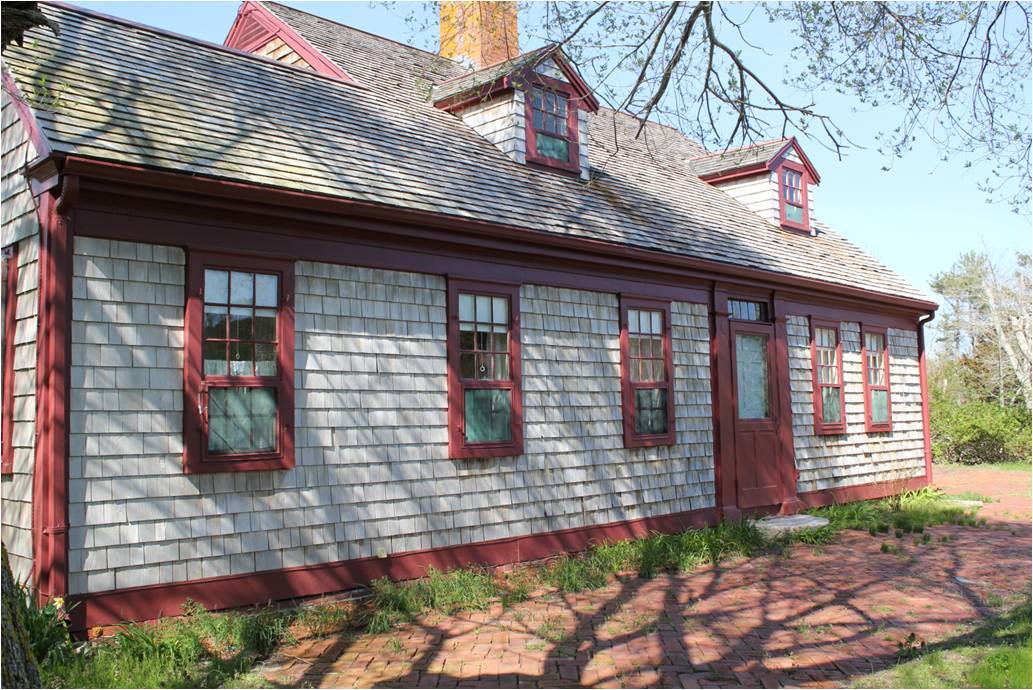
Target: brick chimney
<point x="480" y="33"/>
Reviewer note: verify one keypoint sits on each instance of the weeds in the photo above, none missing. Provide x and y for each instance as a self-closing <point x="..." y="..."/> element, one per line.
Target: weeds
<point x="907" y="513"/>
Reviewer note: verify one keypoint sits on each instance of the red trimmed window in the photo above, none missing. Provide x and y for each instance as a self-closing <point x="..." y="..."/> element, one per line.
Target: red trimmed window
<point x="239" y="381"/>
<point x="552" y="126"/>
<point x="647" y="371"/>
<point x="827" y="367"/>
<point x="484" y="403"/>
<point x="875" y="355"/>
<point x="9" y="285"/>
<point x="792" y="196"/>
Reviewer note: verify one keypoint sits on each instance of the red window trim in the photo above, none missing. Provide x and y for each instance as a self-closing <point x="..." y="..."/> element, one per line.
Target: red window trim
<point x="195" y="455"/>
<point x="869" y="425"/>
<point x="573" y="163"/>
<point x="805" y="180"/>
<point x="821" y="427"/>
<point x="10" y="260"/>
<point x="458" y="448"/>
<point x="628" y="387"/>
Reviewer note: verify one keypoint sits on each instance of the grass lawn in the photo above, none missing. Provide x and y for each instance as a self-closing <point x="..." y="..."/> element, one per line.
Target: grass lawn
<point x="996" y="654"/>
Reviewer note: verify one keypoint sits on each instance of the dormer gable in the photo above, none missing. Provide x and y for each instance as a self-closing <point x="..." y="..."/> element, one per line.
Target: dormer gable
<point x="257" y="30"/>
<point x="773" y="178"/>
<point x="533" y="107"/>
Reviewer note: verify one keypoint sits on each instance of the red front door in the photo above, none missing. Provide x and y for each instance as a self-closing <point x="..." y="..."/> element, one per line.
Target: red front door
<point x="758" y="460"/>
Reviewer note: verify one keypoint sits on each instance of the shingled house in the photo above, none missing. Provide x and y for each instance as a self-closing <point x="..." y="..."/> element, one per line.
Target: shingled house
<point x="313" y="307"/>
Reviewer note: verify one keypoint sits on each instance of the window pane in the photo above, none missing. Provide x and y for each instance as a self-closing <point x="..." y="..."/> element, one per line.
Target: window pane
<point x="241" y="358"/>
<point x="487" y="415"/>
<point x="241" y="325"/>
<point x="466" y="307"/>
<point x="633" y="321"/>
<point x="466" y="339"/>
<point x="466" y="365"/>
<point x="265" y="324"/>
<point x="824" y="337"/>
<point x="657" y="347"/>
<point x="242" y="288"/>
<point x="658" y="370"/>
<point x="500" y="310"/>
<point x="500" y="340"/>
<point x="831" y="411"/>
<point x="216" y="286"/>
<point x="880" y="406"/>
<point x="552" y="147"/>
<point x="483" y="308"/>
<point x="656" y="323"/>
<point x="651" y="411"/>
<point x="501" y="367"/>
<point x="215" y="320"/>
<point x="241" y="420"/>
<point x="265" y="359"/>
<point x="483" y="366"/>
<point x="266" y="293"/>
<point x="751" y="371"/>
<point x="215" y="359"/>
<point x="794" y="213"/>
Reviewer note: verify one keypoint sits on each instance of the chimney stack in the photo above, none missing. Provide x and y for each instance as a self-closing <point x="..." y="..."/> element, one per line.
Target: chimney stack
<point x="479" y="33"/>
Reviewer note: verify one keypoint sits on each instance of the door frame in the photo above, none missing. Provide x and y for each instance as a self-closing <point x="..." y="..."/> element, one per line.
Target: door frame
<point x="724" y="400"/>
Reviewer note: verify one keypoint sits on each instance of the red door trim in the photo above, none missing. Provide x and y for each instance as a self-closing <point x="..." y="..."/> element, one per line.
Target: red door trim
<point x="152" y="601"/>
<point x="787" y="450"/>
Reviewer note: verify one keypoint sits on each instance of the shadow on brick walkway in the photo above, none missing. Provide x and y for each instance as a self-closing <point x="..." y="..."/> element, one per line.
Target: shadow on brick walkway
<point x="818" y="617"/>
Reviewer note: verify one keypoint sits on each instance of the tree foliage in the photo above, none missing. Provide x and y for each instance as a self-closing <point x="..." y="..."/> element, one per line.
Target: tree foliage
<point x="954" y="73"/>
<point x="980" y="379"/>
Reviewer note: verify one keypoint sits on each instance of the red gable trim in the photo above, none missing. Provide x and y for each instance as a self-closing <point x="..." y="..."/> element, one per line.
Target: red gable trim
<point x="255" y="26"/>
<point x="582" y="94"/>
<point x="762" y="167"/>
<point x="36" y="135"/>
<point x="794" y="144"/>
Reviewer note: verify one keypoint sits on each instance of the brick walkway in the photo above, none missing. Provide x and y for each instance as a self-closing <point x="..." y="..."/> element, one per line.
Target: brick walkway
<point x="818" y="618"/>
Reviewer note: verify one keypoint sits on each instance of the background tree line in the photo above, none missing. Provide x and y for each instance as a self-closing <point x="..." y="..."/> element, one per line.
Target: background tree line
<point x="981" y="374"/>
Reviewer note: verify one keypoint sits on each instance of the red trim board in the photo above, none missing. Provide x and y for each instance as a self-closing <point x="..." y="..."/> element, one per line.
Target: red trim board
<point x="861" y="492"/>
<point x="165" y="185"/>
<point x="10" y="323"/>
<point x="145" y="603"/>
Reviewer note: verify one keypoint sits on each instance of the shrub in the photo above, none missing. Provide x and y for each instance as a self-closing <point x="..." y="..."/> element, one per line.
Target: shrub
<point x="979" y="432"/>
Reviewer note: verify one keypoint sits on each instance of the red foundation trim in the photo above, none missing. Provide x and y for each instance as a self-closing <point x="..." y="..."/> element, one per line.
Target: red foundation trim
<point x="10" y="323"/>
<point x="862" y="492"/>
<point x="145" y="603"/>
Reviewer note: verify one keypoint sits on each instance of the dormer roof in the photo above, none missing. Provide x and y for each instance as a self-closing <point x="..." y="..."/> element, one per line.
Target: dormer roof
<point x="483" y="83"/>
<point x="762" y="156"/>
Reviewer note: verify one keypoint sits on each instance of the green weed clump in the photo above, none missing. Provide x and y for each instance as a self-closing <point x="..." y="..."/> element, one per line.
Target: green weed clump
<point x="906" y="513"/>
<point x="447" y="592"/>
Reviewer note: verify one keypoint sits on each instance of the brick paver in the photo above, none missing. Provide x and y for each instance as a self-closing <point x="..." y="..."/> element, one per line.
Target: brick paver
<point x="818" y="618"/>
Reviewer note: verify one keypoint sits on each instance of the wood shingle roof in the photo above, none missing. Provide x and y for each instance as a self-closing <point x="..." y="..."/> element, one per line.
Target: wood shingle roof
<point x="120" y="92"/>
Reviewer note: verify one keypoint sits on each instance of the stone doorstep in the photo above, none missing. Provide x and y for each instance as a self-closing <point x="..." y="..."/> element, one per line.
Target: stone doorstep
<point x="962" y="502"/>
<point x="784" y="524"/>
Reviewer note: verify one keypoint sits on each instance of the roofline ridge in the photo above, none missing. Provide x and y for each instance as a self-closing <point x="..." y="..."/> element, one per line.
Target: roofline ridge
<point x="361" y="31"/>
<point x="743" y="147"/>
<point x="494" y="64"/>
<point x="102" y="16"/>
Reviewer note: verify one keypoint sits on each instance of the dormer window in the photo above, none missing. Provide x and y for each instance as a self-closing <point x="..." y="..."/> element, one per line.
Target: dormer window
<point x="793" y="196"/>
<point x="552" y="131"/>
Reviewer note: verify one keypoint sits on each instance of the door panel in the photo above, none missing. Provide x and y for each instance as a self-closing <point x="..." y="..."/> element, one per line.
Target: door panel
<point x="758" y="465"/>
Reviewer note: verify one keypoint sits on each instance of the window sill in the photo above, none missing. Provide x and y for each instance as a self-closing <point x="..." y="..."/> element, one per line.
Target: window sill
<point x="495" y="450"/>
<point x="839" y="430"/>
<point x="554" y="164"/>
<point x="254" y="462"/>
<point x="878" y="428"/>
<point x="657" y="440"/>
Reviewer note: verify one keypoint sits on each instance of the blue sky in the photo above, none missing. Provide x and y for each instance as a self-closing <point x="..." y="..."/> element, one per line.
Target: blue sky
<point x="916" y="218"/>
